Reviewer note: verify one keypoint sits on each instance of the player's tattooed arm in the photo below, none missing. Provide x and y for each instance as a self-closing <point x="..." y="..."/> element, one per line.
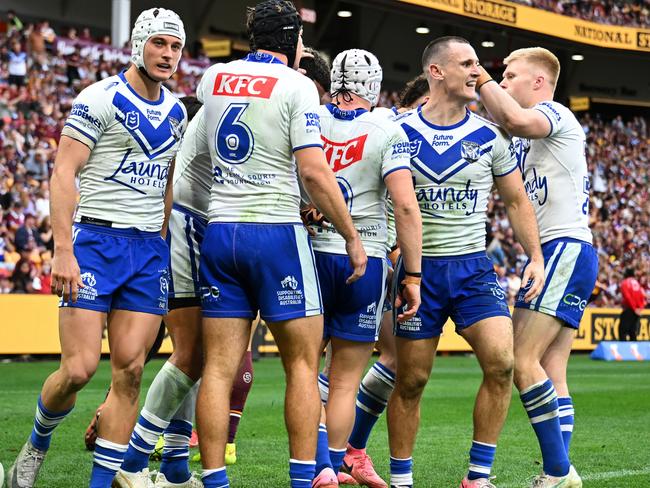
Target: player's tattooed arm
<point x="71" y="157"/>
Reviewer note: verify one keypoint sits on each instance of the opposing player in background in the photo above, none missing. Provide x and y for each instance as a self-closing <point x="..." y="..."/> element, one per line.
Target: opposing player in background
<point x="456" y="158"/>
<point x="120" y="138"/>
<point x="260" y="114"/>
<point x="369" y="155"/>
<point x="551" y="156"/>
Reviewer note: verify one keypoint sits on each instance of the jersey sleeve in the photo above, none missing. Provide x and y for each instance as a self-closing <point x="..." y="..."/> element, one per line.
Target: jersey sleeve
<point x="201" y="88"/>
<point x="504" y="160"/>
<point x="554" y="113"/>
<point x="90" y="115"/>
<point x="304" y="127"/>
<point x="396" y="154"/>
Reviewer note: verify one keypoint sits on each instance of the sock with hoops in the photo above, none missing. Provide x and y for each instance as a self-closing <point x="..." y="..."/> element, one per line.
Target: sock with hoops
<point x="540" y="402"/>
<point x="374" y="391"/>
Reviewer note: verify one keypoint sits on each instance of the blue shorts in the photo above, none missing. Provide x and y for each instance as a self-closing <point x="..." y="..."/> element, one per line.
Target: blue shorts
<point x="353" y="311"/>
<point x="267" y="267"/>
<point x="464" y="288"/>
<point x="122" y="269"/>
<point x="571" y="269"/>
<point x="185" y="237"/>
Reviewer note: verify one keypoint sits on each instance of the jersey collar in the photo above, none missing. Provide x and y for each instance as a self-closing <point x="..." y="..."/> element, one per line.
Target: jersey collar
<point x="345" y="114"/>
<point x="150" y="102"/>
<point x="259" y="57"/>
<point x="443" y="127"/>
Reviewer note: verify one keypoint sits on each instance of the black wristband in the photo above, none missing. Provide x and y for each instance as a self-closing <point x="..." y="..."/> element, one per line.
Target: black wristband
<point x="478" y="88"/>
<point x="414" y="275"/>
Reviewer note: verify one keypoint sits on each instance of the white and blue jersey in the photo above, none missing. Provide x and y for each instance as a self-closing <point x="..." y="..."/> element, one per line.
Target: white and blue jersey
<point x="132" y="142"/>
<point x="256" y="254"/>
<point x="188" y="218"/>
<point x="362" y="149"/>
<point x="454" y="168"/>
<point x="117" y="243"/>
<point x="556" y="179"/>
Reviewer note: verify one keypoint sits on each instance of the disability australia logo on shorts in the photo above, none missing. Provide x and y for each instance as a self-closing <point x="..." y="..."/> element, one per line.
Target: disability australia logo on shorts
<point x="290" y="294"/>
<point x="88" y="292"/>
<point x="368" y="320"/>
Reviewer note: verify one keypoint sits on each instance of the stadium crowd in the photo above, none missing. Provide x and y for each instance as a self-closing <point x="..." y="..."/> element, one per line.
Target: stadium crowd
<point x="628" y="13"/>
<point x="38" y="83"/>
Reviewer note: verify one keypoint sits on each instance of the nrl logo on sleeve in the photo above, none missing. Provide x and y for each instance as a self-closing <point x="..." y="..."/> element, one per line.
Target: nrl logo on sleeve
<point x="132" y="120"/>
<point x="470" y="151"/>
<point x="175" y="128"/>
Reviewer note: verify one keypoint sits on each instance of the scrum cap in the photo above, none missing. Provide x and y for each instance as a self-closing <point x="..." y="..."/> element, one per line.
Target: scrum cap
<point x="275" y="25"/>
<point x="357" y="71"/>
<point x="152" y="22"/>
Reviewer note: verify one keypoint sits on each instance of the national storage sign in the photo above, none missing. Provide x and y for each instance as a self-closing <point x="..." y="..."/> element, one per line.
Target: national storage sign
<point x="543" y="22"/>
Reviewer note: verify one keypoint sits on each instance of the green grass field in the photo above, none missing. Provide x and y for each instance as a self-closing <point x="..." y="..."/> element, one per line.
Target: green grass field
<point x="611" y="445"/>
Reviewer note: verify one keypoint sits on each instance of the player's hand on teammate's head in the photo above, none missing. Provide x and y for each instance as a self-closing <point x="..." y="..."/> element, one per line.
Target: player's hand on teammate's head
<point x="358" y="259"/>
<point x="533" y="279"/>
<point x="66" y="276"/>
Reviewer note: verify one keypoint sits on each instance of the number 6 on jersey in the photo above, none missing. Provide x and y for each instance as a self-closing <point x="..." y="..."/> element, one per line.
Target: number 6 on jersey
<point x="233" y="139"/>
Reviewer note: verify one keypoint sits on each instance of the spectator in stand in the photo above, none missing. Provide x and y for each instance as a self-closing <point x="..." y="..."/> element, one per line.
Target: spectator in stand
<point x="28" y="236"/>
<point x="17" y="65"/>
<point x="14" y="24"/>
<point x="23" y="277"/>
<point x="633" y="302"/>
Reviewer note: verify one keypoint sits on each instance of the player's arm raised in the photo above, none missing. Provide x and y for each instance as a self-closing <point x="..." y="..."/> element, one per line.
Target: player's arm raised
<point x="71" y="157"/>
<point x="408" y="223"/>
<point x="320" y="183"/>
<point x="523" y="221"/>
<point x="517" y="121"/>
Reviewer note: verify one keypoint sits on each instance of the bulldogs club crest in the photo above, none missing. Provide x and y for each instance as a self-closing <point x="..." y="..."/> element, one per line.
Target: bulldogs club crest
<point x="174" y="127"/>
<point x="470" y="151"/>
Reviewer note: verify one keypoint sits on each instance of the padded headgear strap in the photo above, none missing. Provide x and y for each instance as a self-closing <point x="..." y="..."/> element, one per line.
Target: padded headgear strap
<point x="275" y="26"/>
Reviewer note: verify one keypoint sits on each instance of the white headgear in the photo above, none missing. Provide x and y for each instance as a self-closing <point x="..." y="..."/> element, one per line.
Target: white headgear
<point x="152" y="22"/>
<point x="357" y="71"/>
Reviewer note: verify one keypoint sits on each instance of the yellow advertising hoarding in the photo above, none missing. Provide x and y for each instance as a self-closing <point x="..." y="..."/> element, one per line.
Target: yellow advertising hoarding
<point x="29" y="325"/>
<point x="543" y="22"/>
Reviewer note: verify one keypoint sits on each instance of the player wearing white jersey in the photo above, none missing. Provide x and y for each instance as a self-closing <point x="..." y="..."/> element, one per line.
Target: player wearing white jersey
<point x="551" y="152"/>
<point x="456" y="158"/>
<point x="369" y="154"/>
<point x="260" y="113"/>
<point x="120" y="138"/>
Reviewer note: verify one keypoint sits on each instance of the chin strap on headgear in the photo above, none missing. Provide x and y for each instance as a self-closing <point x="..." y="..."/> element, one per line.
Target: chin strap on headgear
<point x="153" y="22"/>
<point x="275" y="26"/>
<point x="357" y="71"/>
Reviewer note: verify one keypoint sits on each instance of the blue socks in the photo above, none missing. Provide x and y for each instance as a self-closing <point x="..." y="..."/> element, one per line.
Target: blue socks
<point x="322" y="451"/>
<point x="45" y="422"/>
<point x="107" y="460"/>
<point x="177" y="451"/>
<point x="401" y="472"/>
<point x="540" y="402"/>
<point x="481" y="458"/>
<point x="323" y="388"/>
<point x="567" y="420"/>
<point x="301" y="473"/>
<point x="374" y="392"/>
<point x="215" y="478"/>
<point x="143" y="441"/>
<point x="336" y="456"/>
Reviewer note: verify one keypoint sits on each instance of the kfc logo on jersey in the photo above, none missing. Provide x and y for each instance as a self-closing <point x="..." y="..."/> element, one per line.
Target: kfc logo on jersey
<point x="239" y="85"/>
<point x="340" y="155"/>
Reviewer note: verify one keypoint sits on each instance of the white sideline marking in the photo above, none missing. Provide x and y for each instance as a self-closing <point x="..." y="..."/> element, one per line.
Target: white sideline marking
<point x="608" y="475"/>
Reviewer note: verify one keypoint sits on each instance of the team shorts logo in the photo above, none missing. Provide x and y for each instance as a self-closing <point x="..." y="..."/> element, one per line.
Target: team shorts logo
<point x="372" y="308"/>
<point x="574" y="301"/>
<point x="240" y="85"/>
<point x="470" y="151"/>
<point x="88" y="292"/>
<point x="132" y="120"/>
<point x="289" y="282"/>
<point x="341" y="155"/>
<point x="210" y="293"/>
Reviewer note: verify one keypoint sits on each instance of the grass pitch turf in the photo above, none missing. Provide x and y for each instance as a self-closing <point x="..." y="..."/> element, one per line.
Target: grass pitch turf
<point x="611" y="444"/>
